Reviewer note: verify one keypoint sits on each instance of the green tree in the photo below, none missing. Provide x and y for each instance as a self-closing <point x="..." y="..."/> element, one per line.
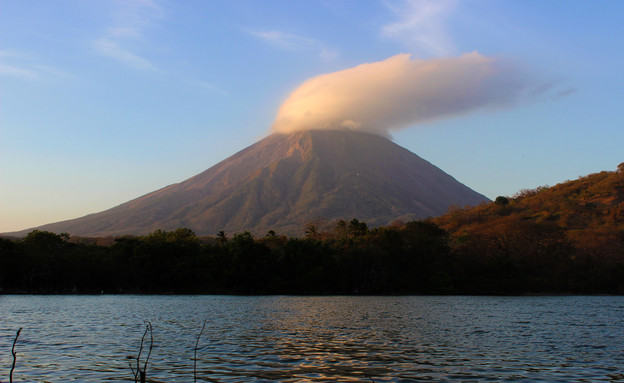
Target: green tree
<point x="357" y="228"/>
<point x="340" y="230"/>
<point x="500" y="200"/>
<point x="311" y="230"/>
<point x="221" y="237"/>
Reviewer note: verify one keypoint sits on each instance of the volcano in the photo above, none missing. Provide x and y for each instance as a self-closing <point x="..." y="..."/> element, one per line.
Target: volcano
<point x="286" y="180"/>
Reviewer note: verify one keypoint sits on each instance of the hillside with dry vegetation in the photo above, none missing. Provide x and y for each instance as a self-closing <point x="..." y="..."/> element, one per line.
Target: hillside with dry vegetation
<point x="587" y="210"/>
<point x="574" y="225"/>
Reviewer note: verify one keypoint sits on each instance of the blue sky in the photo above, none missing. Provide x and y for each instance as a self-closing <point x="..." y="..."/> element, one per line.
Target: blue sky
<point x="104" y="101"/>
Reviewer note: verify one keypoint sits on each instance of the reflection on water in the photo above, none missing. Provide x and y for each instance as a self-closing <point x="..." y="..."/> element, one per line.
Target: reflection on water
<point x="294" y="339"/>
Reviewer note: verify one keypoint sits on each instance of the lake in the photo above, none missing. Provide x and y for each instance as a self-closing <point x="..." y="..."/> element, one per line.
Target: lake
<point x="336" y="338"/>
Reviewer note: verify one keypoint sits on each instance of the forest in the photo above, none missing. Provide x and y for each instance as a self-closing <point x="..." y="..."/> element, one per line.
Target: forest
<point x="564" y="239"/>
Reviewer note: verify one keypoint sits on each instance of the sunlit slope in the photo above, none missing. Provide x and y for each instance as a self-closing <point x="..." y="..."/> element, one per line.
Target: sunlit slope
<point x="587" y="212"/>
<point x="284" y="181"/>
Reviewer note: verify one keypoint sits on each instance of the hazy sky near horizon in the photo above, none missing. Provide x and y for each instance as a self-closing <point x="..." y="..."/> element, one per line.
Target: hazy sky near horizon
<point x="104" y="101"/>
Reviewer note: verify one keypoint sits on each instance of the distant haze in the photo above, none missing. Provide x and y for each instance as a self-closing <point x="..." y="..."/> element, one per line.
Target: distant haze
<point x="399" y="92"/>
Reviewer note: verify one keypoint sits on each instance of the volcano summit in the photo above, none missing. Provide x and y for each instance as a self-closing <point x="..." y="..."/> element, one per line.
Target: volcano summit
<point x="286" y="180"/>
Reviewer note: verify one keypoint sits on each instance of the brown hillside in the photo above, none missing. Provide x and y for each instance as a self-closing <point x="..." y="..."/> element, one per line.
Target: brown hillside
<point x="588" y="213"/>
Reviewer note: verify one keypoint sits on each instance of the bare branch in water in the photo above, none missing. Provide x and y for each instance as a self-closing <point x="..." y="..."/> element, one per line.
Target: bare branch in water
<point x="140" y="374"/>
<point x="195" y="354"/>
<point x="149" y="326"/>
<point x="14" y="354"/>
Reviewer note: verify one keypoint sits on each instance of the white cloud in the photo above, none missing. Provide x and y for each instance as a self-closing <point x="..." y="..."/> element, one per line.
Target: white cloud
<point x="422" y="26"/>
<point x="207" y="86"/>
<point x="284" y="40"/>
<point x="9" y="67"/>
<point x="108" y="47"/>
<point x="400" y="92"/>
<point x="9" y="70"/>
<point x="123" y="32"/>
<point x="18" y="64"/>
<point x="131" y="19"/>
<point x="329" y="54"/>
<point x="295" y="43"/>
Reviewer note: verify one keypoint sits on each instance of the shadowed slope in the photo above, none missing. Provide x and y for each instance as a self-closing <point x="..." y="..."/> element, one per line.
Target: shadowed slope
<point x="283" y="181"/>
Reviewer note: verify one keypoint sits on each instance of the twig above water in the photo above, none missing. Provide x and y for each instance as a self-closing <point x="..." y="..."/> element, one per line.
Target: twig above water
<point x="14" y="355"/>
<point x="140" y="374"/>
<point x="195" y="353"/>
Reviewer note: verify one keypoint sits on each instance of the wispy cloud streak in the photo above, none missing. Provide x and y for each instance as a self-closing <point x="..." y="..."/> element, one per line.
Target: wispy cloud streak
<point x="111" y="48"/>
<point x="119" y="41"/>
<point x="422" y="26"/>
<point x="295" y="43"/>
<point x="9" y="70"/>
<point x="24" y="66"/>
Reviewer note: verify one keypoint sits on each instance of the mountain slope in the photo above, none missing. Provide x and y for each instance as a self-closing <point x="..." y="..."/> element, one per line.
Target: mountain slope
<point x="284" y="181"/>
<point x="587" y="212"/>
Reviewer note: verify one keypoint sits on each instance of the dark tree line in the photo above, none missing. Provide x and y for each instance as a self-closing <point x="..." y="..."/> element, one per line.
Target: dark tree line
<point x="414" y="258"/>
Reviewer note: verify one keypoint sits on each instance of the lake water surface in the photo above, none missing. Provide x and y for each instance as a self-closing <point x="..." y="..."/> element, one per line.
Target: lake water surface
<point x="292" y="339"/>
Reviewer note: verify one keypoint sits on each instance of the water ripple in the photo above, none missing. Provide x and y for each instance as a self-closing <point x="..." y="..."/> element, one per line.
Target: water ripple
<point x="316" y="339"/>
